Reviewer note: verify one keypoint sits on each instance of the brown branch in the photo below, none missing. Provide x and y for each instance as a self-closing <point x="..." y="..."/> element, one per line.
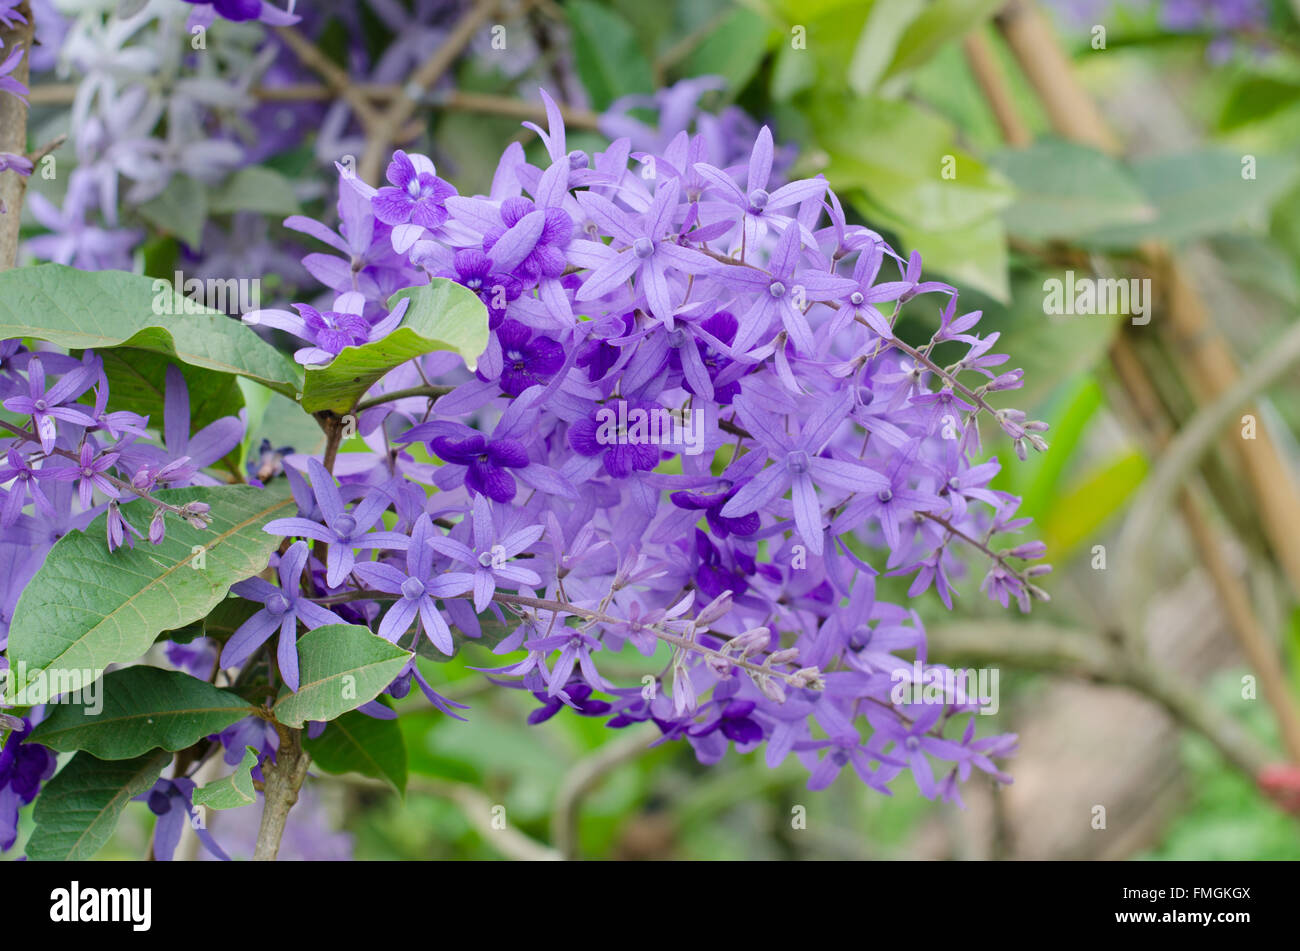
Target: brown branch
<point x="310" y="55"/>
<point x="284" y="778"/>
<point x="1074" y="114"/>
<point x="988" y="74"/>
<point x="62" y="94"/>
<point x="1035" y="646"/>
<point x="13" y="135"/>
<point x="1195" y="340"/>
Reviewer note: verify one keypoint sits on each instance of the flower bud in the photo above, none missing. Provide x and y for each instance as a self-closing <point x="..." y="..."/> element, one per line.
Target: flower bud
<point x="785" y="656"/>
<point x="157" y="528"/>
<point x="769" y="687"/>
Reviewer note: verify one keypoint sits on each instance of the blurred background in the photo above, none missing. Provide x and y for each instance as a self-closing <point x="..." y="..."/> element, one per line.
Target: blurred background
<point x="1156" y="696"/>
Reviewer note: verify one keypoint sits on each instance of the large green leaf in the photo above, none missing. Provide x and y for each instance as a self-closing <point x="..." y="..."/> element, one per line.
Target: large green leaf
<point x="1197" y="194"/>
<point x="233" y="791"/>
<point x="907" y="161"/>
<point x="608" y="58"/>
<point x="340" y="667"/>
<point x="87" y="607"/>
<point x="143" y="708"/>
<point x="356" y="743"/>
<point x="972" y="257"/>
<point x="442" y="315"/>
<point x="1081" y="511"/>
<point x="79" y="808"/>
<point x="1067" y="191"/>
<point x="81" y="309"/>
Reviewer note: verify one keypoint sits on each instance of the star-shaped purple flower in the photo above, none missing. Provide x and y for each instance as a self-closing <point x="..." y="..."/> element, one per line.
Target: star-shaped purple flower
<point x="282" y="609"/>
<point x="418" y="587"/>
<point x="343" y="531"/>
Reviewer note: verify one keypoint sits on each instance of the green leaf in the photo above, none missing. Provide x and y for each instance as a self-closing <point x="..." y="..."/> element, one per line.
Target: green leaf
<point x="442" y="315"/>
<point x="101" y="309"/>
<point x="1080" y="512"/>
<point x="885" y="25"/>
<point x="1052" y="350"/>
<point x="233" y="791"/>
<point x="1257" y="98"/>
<point x="257" y="189"/>
<point x="1202" y="193"/>
<point x="1067" y="191"/>
<point x="733" y="50"/>
<point x="341" y="666"/>
<point x="143" y="708"/>
<point x="181" y="210"/>
<point x="606" y="53"/>
<point x="356" y="743"/>
<point x="907" y="162"/>
<point x="1037" y="480"/>
<point x="78" y="809"/>
<point x="972" y="257"/>
<point x="938" y="24"/>
<point x="87" y="607"/>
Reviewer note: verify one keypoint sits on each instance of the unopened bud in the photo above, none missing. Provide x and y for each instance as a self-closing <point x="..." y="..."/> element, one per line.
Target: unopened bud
<point x="789" y="655"/>
<point x="714" y="609"/>
<point x="770" y="688"/>
<point x="753" y="640"/>
<point x="157" y="528"/>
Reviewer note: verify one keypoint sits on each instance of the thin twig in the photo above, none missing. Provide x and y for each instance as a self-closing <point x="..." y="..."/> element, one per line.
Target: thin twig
<point x="476" y="807"/>
<point x="1042" y="647"/>
<point x="586" y="775"/>
<point x="381" y="133"/>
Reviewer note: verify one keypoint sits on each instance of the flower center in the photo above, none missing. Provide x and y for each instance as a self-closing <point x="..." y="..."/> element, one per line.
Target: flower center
<point x="954" y="483"/>
<point x="277" y="605"/>
<point x="412" y="588"/>
<point x="87" y="472"/>
<point x="41" y="406"/>
<point x="776" y="289"/>
<point x="643" y="247"/>
<point x="884" y="495"/>
<point x="413" y="188"/>
<point x="758" y="200"/>
<point x="797" y="462"/>
<point x="577" y="159"/>
<point x="912" y="744"/>
<point x="856" y="298"/>
<point x="485" y="559"/>
<point x="345" y="524"/>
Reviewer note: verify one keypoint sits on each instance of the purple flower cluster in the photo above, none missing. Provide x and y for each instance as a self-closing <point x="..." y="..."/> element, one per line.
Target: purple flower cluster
<point x="75" y="459"/>
<point x="694" y="429"/>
